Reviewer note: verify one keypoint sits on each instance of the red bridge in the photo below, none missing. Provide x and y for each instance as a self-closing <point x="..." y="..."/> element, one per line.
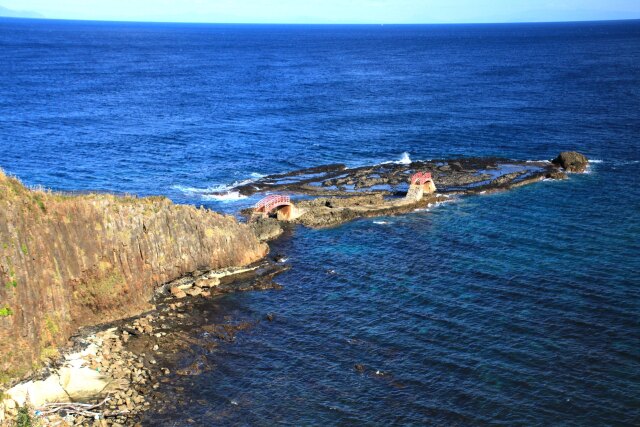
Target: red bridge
<point x="420" y="178"/>
<point x="272" y="202"/>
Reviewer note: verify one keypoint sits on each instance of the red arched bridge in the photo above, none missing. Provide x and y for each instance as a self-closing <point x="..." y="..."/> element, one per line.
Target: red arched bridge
<point x="272" y="202"/>
<point x="420" y="178"/>
<point x="281" y="205"/>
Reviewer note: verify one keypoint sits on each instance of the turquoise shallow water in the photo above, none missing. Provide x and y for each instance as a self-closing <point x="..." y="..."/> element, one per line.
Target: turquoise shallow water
<point x="517" y="308"/>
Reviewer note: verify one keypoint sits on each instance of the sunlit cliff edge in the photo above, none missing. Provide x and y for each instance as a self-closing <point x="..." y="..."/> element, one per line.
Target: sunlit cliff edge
<point x="73" y="260"/>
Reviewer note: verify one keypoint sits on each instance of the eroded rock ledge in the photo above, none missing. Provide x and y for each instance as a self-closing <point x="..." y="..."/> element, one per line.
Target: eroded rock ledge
<point x="333" y="194"/>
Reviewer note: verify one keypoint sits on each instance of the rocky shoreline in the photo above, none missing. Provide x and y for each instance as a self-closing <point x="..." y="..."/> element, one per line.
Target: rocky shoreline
<point x="115" y="368"/>
<point x="112" y="371"/>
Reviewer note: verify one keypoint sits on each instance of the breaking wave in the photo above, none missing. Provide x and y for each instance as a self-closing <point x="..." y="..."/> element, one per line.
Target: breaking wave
<point x="225" y="197"/>
<point x="404" y="160"/>
<point x="219" y="188"/>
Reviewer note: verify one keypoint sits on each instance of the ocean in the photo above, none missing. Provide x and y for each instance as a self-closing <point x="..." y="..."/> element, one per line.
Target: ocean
<point x="518" y="308"/>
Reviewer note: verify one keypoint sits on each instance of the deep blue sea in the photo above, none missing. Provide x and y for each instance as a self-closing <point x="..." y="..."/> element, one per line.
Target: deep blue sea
<point x="520" y="308"/>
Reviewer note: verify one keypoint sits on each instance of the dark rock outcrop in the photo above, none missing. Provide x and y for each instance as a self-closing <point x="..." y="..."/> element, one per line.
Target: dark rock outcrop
<point x="69" y="261"/>
<point x="571" y="161"/>
<point x="266" y="229"/>
<point x="330" y="212"/>
<point x="343" y="194"/>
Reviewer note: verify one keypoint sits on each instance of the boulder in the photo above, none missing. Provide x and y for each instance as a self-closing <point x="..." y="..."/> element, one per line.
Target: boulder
<point x="37" y="393"/>
<point x="82" y="384"/>
<point x="8" y="409"/>
<point x="207" y="282"/>
<point x="177" y="292"/>
<point x="195" y="291"/>
<point x="571" y="161"/>
<point x="556" y="175"/>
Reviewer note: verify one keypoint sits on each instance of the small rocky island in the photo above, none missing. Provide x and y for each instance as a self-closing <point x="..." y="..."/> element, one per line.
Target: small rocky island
<point x="333" y="194"/>
<point x="100" y="292"/>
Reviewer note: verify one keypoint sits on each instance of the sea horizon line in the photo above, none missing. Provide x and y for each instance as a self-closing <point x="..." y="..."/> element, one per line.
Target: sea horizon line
<point x="324" y="24"/>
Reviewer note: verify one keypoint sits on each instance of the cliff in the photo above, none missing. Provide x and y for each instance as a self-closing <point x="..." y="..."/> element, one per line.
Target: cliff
<point x="69" y="261"/>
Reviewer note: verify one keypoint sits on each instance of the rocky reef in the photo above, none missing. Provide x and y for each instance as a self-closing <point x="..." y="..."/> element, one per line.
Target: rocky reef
<point x="72" y="260"/>
<point x="334" y="194"/>
<point x="459" y="175"/>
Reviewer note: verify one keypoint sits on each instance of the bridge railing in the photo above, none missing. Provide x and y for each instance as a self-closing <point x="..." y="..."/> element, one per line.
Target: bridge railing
<point x="269" y="202"/>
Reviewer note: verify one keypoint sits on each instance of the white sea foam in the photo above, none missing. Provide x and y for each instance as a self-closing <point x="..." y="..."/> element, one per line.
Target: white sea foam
<point x="218" y="188"/>
<point x="538" y="161"/>
<point x="595" y="161"/>
<point x="381" y="222"/>
<point x="191" y="191"/>
<point x="225" y="197"/>
<point x="405" y="159"/>
<point x="433" y="205"/>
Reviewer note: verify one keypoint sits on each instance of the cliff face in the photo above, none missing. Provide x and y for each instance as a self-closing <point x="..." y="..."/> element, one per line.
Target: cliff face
<point x="69" y="261"/>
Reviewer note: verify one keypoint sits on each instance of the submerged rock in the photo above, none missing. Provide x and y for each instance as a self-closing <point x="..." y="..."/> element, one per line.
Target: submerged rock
<point x="279" y="258"/>
<point x="556" y="175"/>
<point x="571" y="161"/>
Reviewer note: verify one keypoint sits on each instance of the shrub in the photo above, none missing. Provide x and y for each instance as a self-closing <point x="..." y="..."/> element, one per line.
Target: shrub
<point x="24" y="418"/>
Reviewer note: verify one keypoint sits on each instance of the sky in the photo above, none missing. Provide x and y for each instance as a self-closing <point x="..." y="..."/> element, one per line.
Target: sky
<point x="331" y="11"/>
